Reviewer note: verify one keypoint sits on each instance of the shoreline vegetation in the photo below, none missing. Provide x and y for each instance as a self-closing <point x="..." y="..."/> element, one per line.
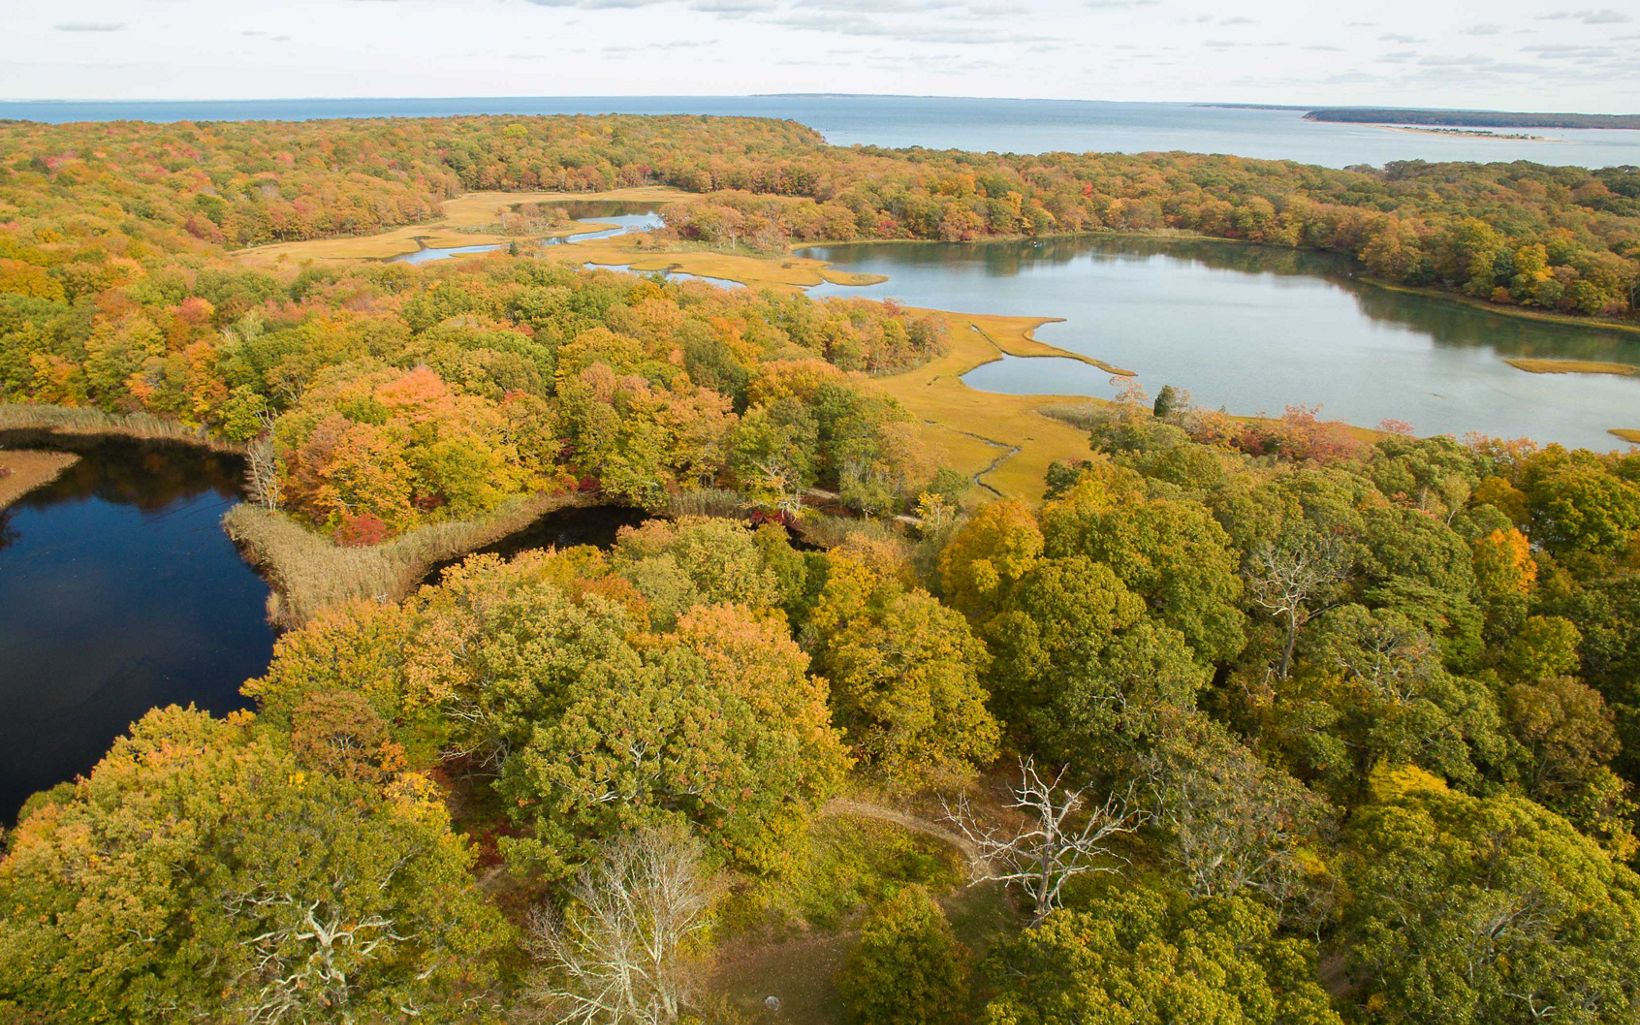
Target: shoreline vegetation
<point x="785" y="269"/>
<point x="1522" y="312"/>
<point x="1003" y="443"/>
<point x="307" y="572"/>
<point x="85" y="422"/>
<point x="23" y="470"/>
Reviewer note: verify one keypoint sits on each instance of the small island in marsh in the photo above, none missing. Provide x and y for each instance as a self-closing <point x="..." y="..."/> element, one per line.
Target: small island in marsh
<point x="1573" y="366"/>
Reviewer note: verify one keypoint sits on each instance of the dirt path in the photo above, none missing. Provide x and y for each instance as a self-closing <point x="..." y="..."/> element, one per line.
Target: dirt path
<point x="905" y="820"/>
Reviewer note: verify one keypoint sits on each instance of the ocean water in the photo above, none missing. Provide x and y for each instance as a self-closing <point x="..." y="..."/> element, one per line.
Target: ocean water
<point x="1017" y="126"/>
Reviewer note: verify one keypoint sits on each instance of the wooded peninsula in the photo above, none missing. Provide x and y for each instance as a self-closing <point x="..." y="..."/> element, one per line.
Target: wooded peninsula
<point x="1471" y="118"/>
<point x="1163" y="715"/>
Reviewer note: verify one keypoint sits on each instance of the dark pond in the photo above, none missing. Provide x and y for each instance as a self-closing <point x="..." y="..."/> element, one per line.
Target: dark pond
<point x="1255" y="329"/>
<point x="594" y="525"/>
<point x="119" y="592"/>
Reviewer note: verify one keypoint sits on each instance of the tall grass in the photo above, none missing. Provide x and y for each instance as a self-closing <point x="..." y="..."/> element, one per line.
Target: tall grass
<point x="826" y="531"/>
<point x="1083" y="415"/>
<point x="308" y="571"/>
<point x="80" y="420"/>
<point x="716" y="502"/>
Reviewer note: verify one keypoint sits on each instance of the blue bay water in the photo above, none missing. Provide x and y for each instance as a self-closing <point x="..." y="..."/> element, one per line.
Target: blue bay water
<point x="1019" y="126"/>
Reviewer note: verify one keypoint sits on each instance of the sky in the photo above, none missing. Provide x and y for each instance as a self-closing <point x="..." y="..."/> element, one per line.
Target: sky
<point x="1502" y="54"/>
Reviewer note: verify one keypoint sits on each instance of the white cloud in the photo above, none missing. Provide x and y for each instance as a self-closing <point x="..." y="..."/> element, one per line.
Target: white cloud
<point x="1186" y="50"/>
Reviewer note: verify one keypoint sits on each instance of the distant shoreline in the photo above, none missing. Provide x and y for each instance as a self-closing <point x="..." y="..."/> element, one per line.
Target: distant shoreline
<point x="1470" y="118"/>
<point x="1428" y="117"/>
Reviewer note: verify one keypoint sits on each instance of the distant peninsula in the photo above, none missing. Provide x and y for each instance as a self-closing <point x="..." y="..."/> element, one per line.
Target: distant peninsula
<point x="1471" y="118"/>
<point x="1449" y="118"/>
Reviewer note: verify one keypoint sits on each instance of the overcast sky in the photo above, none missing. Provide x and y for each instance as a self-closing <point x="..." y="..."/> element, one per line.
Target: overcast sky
<point x="1516" y="55"/>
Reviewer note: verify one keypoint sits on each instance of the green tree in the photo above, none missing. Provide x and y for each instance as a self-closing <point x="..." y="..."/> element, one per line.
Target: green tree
<point x="200" y="873"/>
<point x="1171" y="553"/>
<point x="908" y="968"/>
<point x="1577" y="504"/>
<point x="905" y="677"/>
<point x="698" y="560"/>
<point x="1081" y="666"/>
<point x="1485" y="910"/>
<point x="1135" y="958"/>
<point x="716" y="723"/>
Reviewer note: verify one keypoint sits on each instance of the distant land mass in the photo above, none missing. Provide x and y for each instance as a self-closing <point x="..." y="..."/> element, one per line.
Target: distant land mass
<point x="1471" y="118"/>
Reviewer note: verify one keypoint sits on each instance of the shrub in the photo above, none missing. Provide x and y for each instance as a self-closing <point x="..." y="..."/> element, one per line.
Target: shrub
<point x="909" y="968"/>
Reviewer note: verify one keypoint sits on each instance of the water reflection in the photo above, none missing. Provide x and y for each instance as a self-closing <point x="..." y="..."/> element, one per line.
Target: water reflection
<point x="594" y="525"/>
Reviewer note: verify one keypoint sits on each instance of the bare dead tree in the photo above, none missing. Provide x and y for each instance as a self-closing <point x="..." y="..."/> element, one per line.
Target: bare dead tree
<point x="1062" y="836"/>
<point x="620" y="953"/>
<point x="262" y="469"/>
<point x="1287" y="577"/>
<point x="306" y="954"/>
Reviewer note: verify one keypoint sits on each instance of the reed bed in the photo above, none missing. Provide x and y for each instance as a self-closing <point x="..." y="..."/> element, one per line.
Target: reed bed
<point x="1083" y="415"/>
<point x="309" y="572"/>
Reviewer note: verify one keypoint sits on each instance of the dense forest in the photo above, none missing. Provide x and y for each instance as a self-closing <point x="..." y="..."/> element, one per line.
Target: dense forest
<point x="1247" y="722"/>
<point x="82" y="202"/>
<point x="1314" y="738"/>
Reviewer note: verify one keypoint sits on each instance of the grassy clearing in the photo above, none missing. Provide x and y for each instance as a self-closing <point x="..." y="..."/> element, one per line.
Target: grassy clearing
<point x="22" y="471"/>
<point x="309" y="572"/>
<point x="461" y="223"/>
<point x="790" y="939"/>
<point x="1572" y="366"/>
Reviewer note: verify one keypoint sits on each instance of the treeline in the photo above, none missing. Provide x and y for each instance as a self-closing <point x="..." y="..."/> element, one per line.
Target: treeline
<point x="86" y="203"/>
<point x="1472" y="118"/>
<point x="1369" y="709"/>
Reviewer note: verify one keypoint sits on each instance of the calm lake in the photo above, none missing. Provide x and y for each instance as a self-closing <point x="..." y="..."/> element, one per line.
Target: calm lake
<point x="1018" y="126"/>
<point x="119" y="592"/>
<point x="1254" y="329"/>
